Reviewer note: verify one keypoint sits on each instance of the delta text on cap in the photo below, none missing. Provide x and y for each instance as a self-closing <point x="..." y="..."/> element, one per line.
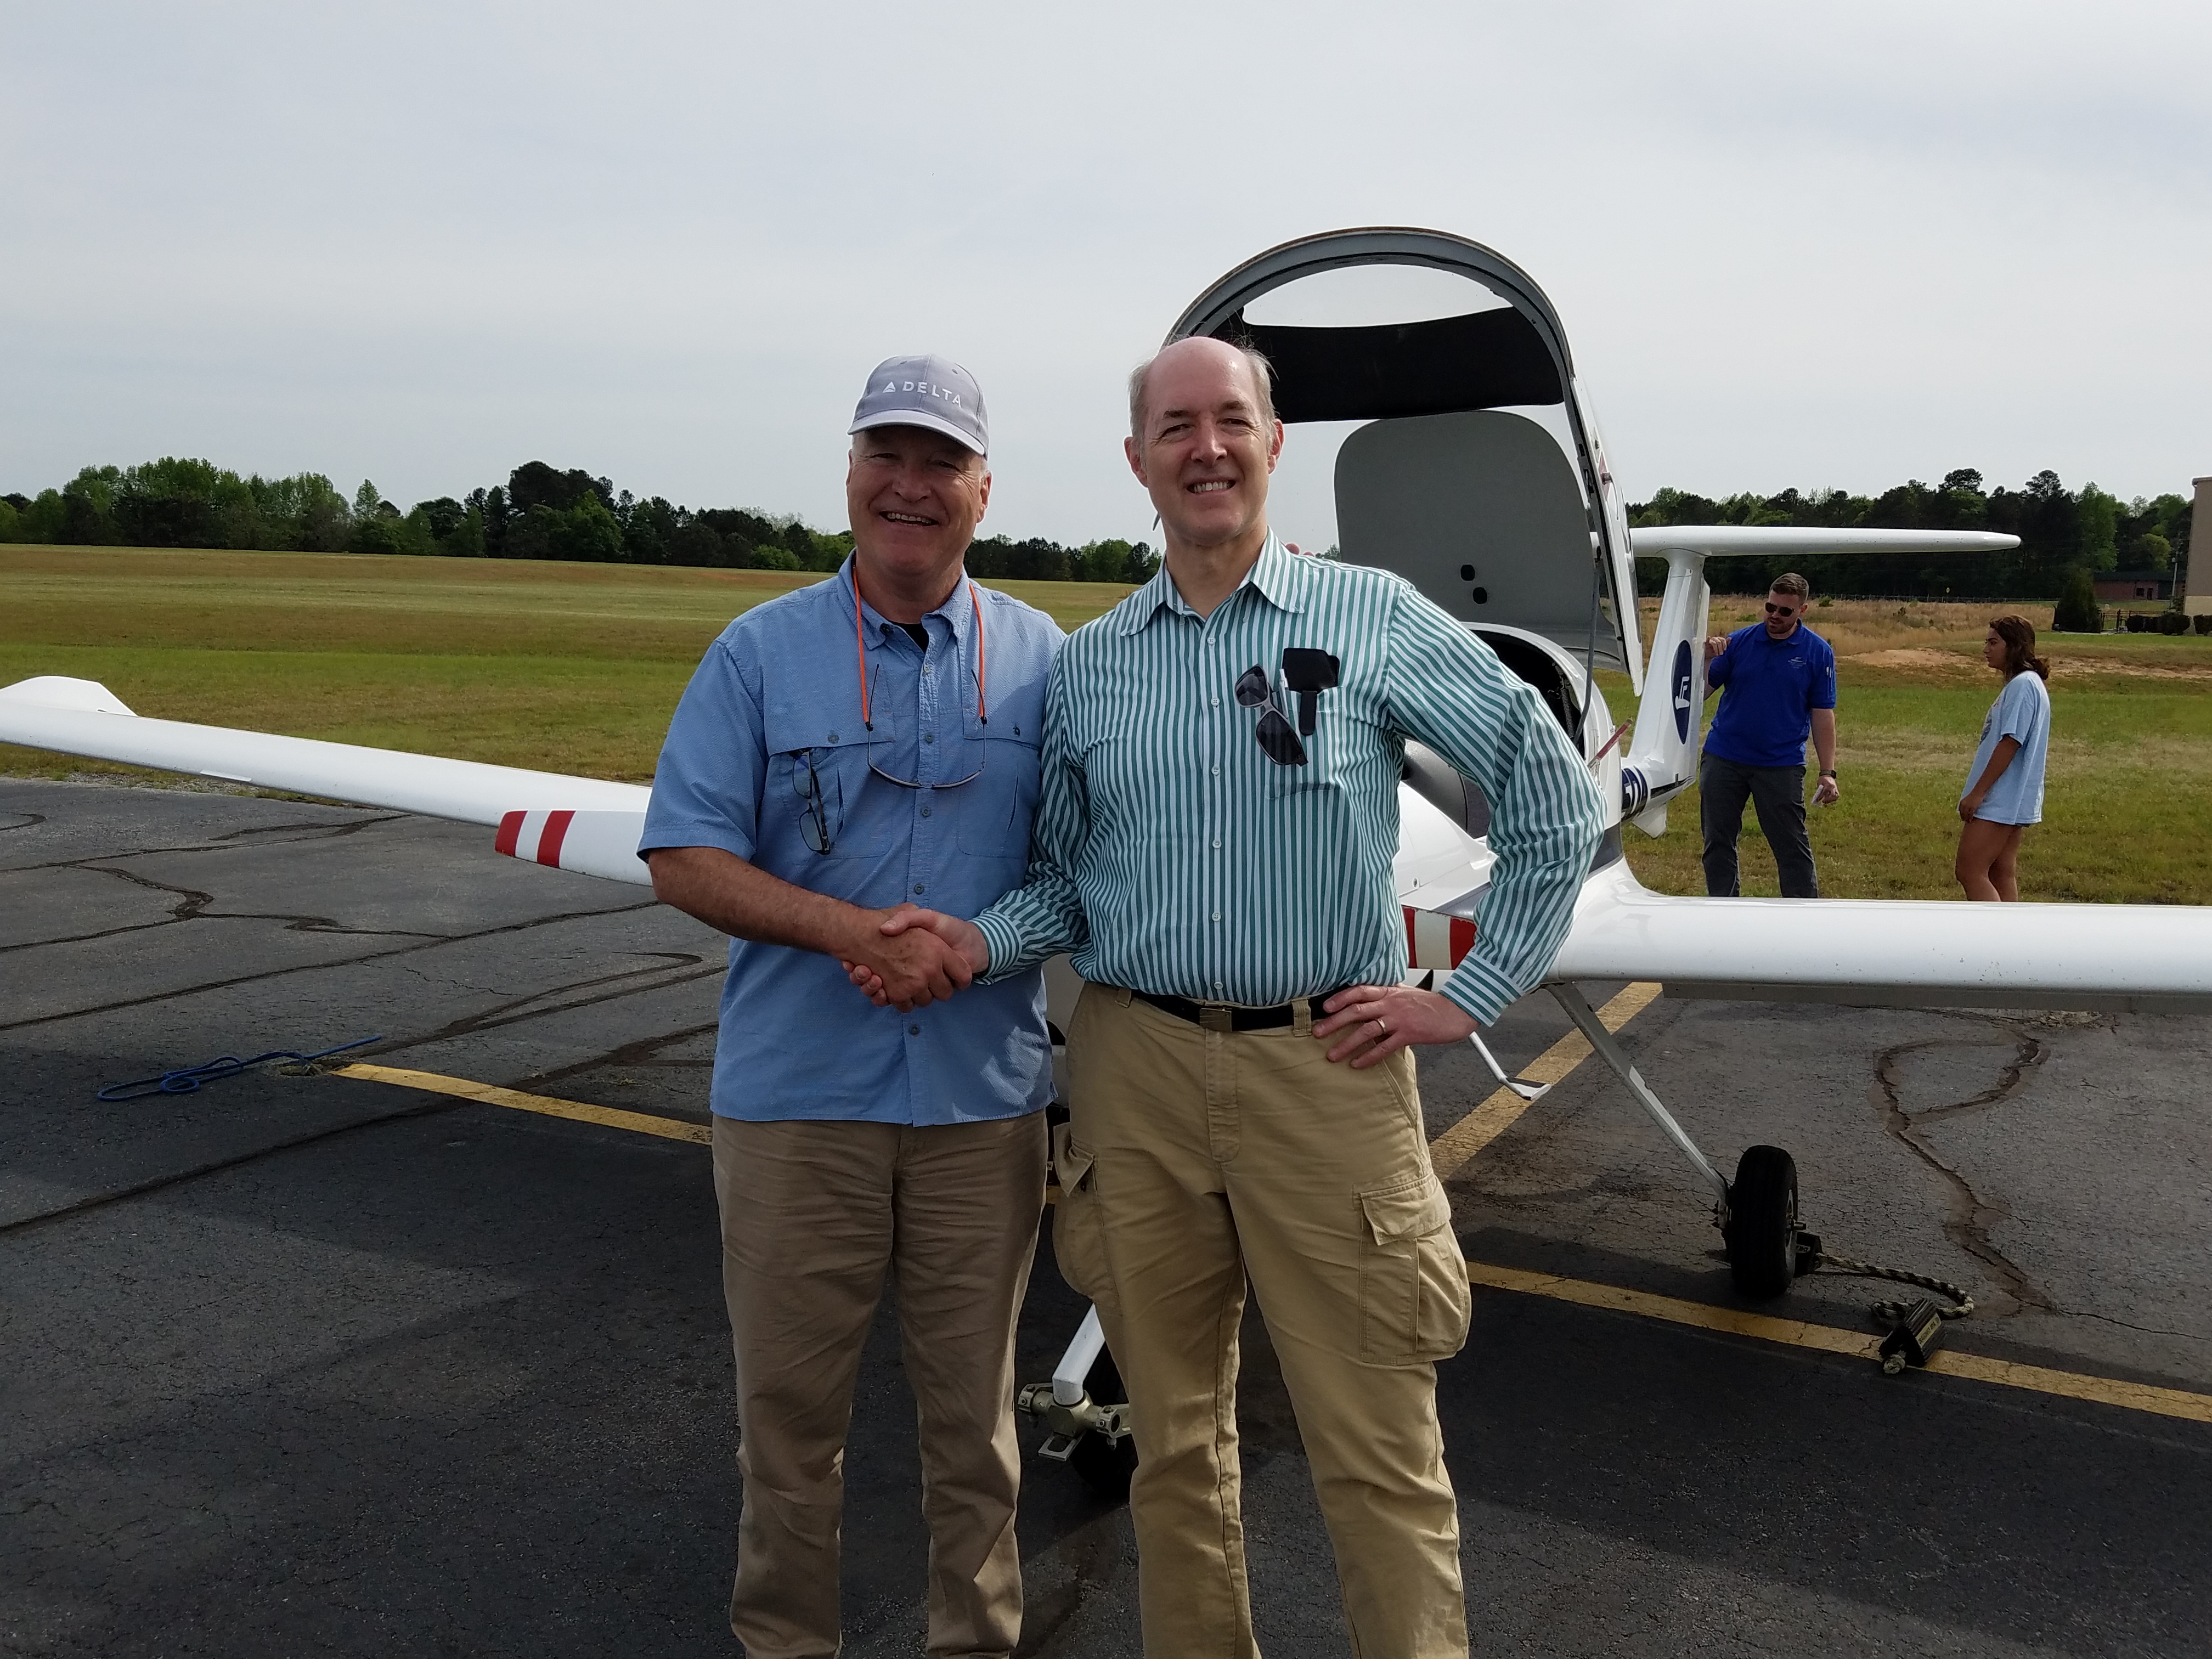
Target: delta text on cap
<point x="929" y="391"/>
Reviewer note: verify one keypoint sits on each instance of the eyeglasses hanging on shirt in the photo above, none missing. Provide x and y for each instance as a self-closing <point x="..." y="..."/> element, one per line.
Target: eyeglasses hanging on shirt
<point x="814" y="818"/>
<point x="982" y="715"/>
<point x="1307" y="673"/>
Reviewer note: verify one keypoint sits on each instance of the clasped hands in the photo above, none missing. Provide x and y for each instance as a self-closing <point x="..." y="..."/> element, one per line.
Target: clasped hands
<point x="915" y="957"/>
<point x="936" y="954"/>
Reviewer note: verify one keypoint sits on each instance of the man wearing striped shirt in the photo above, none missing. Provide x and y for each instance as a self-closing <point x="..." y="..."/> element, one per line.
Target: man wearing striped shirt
<point x="1213" y="843"/>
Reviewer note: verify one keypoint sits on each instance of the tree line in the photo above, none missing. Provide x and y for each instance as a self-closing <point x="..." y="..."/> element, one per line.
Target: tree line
<point x="541" y="512"/>
<point x="2062" y="532"/>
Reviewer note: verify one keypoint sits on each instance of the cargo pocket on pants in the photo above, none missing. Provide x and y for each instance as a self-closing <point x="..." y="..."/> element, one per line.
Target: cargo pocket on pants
<point x="1078" y="1238"/>
<point x="1414" y="1296"/>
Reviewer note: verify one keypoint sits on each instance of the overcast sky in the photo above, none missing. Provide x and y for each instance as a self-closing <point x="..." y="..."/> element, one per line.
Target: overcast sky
<point x="1835" y="246"/>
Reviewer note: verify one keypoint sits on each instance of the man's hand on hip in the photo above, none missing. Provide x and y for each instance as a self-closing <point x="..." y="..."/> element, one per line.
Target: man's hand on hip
<point x="1378" y="1020"/>
<point x="961" y="944"/>
<point x="906" y="967"/>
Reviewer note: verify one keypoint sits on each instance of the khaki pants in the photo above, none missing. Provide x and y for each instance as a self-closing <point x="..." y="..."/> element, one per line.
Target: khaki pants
<point x="1195" y="1158"/>
<point x="813" y="1214"/>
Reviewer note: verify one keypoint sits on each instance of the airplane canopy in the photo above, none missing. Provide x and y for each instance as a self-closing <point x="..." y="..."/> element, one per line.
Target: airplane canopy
<point x="1494" y="516"/>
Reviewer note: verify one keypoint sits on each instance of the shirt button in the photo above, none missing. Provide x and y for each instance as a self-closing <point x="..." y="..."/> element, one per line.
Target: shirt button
<point x="1216" y="702"/>
<point x="914" y="1030"/>
<point x="1217" y="985"/>
<point x="924" y="811"/>
<point x="929" y="737"/>
<point x="1217" y="771"/>
<point x="1216" y="914"/>
<point x="833" y="736"/>
<point x="917" y="887"/>
<point x="1217" y="842"/>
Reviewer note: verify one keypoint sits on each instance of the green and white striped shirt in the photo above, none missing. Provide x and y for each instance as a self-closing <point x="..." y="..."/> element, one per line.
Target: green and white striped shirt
<point x="1172" y="856"/>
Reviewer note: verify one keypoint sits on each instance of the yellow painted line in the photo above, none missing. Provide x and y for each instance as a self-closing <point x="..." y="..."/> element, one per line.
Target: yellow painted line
<point x="2104" y="1391"/>
<point x="1827" y="1339"/>
<point x="644" y="1123"/>
<point x="1559" y="1058"/>
<point x="1451" y="1150"/>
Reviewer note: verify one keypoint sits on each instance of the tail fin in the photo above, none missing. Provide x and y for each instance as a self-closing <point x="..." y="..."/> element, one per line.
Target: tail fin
<point x="1662" y="755"/>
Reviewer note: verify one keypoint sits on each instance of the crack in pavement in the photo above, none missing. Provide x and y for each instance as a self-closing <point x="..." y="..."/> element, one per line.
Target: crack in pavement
<point x="306" y="832"/>
<point x="192" y="906"/>
<point x="641" y="1053"/>
<point x="1971" y="1215"/>
<point x="2145" y="1330"/>
<point x="429" y="944"/>
<point x="155" y="1183"/>
<point x="526" y="1008"/>
<point x="22" y="820"/>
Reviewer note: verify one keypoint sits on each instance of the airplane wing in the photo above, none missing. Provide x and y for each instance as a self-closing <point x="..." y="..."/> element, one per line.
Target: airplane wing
<point x="1892" y="952"/>
<point x="1789" y="541"/>
<point x="584" y="824"/>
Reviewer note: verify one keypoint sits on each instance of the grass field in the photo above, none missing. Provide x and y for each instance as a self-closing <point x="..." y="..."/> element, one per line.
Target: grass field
<point x="574" y="668"/>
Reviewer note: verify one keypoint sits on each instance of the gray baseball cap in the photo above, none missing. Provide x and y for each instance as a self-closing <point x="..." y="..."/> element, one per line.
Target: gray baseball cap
<point x="927" y="390"/>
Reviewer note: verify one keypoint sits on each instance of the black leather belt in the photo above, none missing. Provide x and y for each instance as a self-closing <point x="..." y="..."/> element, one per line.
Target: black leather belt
<point x="1226" y="1016"/>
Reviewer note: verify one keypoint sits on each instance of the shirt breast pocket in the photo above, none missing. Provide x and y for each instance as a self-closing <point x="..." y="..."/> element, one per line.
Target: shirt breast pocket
<point x="996" y="806"/>
<point x="1323" y="771"/>
<point x="818" y="785"/>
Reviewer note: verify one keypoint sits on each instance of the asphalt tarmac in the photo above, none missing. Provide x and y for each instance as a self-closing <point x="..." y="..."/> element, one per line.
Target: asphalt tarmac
<point x="306" y="1364"/>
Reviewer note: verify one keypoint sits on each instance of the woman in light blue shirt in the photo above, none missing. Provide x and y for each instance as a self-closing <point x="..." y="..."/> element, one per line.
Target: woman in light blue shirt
<point x="2004" y="787"/>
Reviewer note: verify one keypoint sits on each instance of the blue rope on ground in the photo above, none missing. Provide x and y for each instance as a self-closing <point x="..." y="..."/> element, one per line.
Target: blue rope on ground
<point x="186" y="1079"/>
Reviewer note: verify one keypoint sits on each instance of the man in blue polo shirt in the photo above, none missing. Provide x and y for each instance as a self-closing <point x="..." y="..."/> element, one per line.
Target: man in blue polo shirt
<point x="1779" y="680"/>
<point x="867" y="740"/>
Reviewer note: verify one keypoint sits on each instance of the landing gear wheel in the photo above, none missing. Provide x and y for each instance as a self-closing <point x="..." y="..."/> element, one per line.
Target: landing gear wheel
<point x="1762" y="1224"/>
<point x="1104" y="1465"/>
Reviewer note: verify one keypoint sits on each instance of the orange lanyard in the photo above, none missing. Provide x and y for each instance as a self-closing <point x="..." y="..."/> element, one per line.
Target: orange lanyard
<point x="860" y="650"/>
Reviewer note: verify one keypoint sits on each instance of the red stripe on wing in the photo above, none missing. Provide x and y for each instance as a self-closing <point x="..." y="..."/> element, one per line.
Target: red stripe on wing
<point x="556" y="831"/>
<point x="510" y="827"/>
<point x="1463" y="939"/>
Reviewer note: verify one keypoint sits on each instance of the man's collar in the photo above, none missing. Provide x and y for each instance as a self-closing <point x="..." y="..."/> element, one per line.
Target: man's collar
<point x="1278" y="574"/>
<point x="958" y="612"/>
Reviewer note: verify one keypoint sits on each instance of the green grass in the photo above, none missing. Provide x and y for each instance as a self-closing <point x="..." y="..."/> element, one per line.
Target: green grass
<point x="563" y="667"/>
<point x="575" y="668"/>
<point x="2127" y="792"/>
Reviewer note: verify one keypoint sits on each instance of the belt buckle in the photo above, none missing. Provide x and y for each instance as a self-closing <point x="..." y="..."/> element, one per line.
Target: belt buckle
<point x="1216" y="1017"/>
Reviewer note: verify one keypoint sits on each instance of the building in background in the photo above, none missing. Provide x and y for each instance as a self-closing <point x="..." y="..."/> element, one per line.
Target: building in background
<point x="2136" y="587"/>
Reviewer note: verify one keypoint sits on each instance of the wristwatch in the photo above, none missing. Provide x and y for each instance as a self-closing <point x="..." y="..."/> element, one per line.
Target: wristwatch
<point x="1827" y="771"/>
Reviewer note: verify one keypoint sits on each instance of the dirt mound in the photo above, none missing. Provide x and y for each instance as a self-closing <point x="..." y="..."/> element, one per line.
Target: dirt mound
<point x="1923" y="660"/>
<point x="1920" y="657"/>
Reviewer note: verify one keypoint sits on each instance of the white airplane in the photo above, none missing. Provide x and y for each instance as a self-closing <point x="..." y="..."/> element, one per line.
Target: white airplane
<point x="1479" y="476"/>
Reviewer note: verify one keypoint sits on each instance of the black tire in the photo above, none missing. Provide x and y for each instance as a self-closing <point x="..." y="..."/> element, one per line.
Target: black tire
<point x="1762" y="1227"/>
<point x="1105" y="1466"/>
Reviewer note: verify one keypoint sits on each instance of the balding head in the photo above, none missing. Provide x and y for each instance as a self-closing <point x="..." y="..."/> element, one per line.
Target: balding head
<point x="1259" y="376"/>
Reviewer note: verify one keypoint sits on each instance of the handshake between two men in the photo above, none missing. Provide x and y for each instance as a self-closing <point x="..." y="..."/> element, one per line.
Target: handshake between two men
<point x="927" y="956"/>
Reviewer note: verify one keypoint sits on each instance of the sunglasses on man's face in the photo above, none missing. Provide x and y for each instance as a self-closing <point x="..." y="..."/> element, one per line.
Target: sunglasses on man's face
<point x="1278" y="738"/>
<point x="1784" y="610"/>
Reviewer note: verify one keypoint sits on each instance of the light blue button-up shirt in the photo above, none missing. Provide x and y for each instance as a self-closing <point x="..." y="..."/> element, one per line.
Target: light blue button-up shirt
<point x="1173" y="856"/>
<point x="774" y="712"/>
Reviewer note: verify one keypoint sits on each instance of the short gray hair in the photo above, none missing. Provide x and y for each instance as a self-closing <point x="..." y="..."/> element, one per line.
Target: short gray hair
<point x="1263" y="376"/>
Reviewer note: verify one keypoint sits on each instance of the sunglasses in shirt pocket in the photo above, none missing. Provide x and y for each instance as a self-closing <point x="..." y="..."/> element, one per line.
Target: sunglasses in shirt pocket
<point x="820" y="778"/>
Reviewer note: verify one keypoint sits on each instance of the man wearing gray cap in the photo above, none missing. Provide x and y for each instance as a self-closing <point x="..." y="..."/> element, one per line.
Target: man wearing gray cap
<point x="862" y="742"/>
